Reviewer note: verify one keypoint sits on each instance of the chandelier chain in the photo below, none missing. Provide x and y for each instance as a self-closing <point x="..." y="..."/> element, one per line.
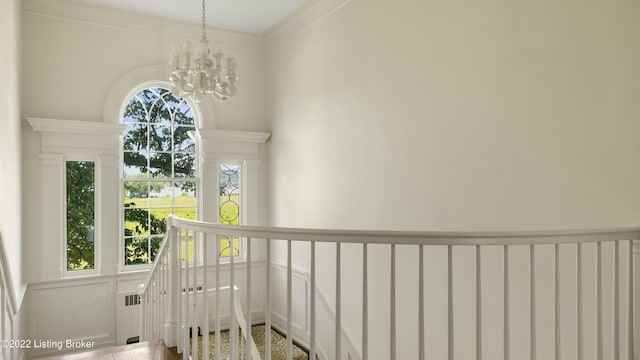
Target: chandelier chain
<point x="204" y="26"/>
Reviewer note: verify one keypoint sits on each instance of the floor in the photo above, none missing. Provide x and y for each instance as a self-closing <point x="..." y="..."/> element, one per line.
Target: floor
<point x="278" y="345"/>
<point x="157" y="350"/>
<point x="148" y="350"/>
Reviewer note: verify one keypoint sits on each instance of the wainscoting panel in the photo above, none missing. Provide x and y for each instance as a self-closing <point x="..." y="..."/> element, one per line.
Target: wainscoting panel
<point x="78" y="310"/>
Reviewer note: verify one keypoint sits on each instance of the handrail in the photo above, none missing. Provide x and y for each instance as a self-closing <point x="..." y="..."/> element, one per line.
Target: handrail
<point x="164" y="247"/>
<point x="469" y="238"/>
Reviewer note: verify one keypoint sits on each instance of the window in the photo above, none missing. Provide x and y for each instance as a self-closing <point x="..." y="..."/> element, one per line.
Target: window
<point x="80" y="205"/>
<point x="159" y="170"/>
<point x="229" y="203"/>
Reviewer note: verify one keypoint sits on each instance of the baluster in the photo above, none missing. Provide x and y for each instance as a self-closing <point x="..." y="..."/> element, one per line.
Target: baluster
<point x="167" y="289"/>
<point x="217" y="295"/>
<point x="154" y="302"/>
<point x="580" y="342"/>
<point x="176" y="292"/>
<point x="365" y="303"/>
<point x="233" y="330"/>
<point x="599" y="349"/>
<point x="185" y="290"/>
<point x="152" y="332"/>
<point x="147" y="330"/>
<point x="154" y="308"/>
<point x="478" y="304"/>
<point x="506" y="326"/>
<point x="165" y="286"/>
<point x="184" y="286"/>
<point x="174" y="295"/>
<point x="532" y="301"/>
<point x="289" y="304"/>
<point x="338" y="330"/>
<point x="248" y="333"/>
<point x="267" y="328"/>
<point x="556" y="305"/>
<point x="312" y="340"/>
<point x="450" y="300"/>
<point x="160" y="318"/>
<point x="143" y="309"/>
<point x="162" y="297"/>
<point x="421" y="340"/>
<point x="616" y="300"/>
<point x="392" y="310"/>
<point x="205" y="298"/>
<point x="630" y="291"/>
<point x="194" y="299"/>
<point x="161" y="293"/>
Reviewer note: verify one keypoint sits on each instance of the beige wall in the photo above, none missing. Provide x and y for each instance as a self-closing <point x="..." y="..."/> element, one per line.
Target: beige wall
<point x="456" y="115"/>
<point x="10" y="143"/>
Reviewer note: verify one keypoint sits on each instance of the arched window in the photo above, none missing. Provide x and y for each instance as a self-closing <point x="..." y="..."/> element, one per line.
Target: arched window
<point x="159" y="175"/>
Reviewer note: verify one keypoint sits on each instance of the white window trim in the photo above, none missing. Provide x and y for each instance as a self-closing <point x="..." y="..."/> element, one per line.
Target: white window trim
<point x="239" y="147"/>
<point x="197" y="118"/>
<point x="71" y="140"/>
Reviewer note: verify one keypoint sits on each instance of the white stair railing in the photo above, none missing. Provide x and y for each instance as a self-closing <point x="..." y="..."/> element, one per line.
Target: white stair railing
<point x="176" y="300"/>
<point x="181" y="264"/>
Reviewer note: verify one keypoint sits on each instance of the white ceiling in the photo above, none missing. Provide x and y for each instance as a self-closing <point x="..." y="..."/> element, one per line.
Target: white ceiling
<point x="252" y="16"/>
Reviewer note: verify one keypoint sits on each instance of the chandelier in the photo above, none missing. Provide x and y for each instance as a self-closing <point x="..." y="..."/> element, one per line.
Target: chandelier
<point x="207" y="72"/>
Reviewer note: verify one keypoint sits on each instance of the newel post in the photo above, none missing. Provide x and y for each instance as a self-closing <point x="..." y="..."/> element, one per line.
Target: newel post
<point x="173" y="288"/>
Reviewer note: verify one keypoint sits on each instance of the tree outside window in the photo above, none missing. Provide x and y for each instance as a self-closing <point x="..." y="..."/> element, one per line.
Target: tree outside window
<point x="80" y="179"/>
<point x="159" y="170"/>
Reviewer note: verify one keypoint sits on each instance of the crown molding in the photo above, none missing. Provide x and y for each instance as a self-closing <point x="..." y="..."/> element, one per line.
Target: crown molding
<point x="230" y="145"/>
<point x="103" y="16"/>
<point x="76" y="127"/>
<point x="304" y="16"/>
<point x="234" y="136"/>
